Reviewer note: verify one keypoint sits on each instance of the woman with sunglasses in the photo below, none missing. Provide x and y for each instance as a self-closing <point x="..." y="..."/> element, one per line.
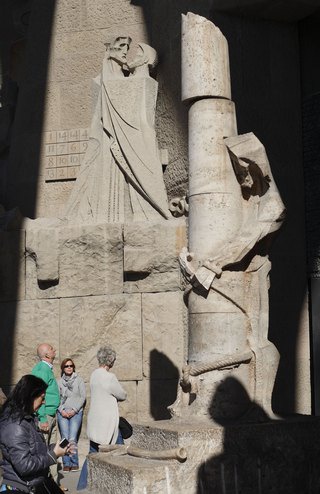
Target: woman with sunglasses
<point x="72" y="400"/>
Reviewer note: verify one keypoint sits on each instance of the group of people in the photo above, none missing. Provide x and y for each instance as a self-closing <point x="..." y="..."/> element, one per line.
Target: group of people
<point x="38" y="402"/>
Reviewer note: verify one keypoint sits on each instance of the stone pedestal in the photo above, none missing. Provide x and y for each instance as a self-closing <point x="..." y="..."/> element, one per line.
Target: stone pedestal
<point x="276" y="456"/>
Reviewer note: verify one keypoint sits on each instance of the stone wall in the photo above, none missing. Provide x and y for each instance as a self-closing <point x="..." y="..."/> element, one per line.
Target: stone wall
<point x="63" y="51"/>
<point x="139" y="311"/>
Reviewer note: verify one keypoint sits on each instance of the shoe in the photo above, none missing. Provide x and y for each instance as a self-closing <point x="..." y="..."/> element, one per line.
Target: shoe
<point x="66" y="469"/>
<point x="74" y="468"/>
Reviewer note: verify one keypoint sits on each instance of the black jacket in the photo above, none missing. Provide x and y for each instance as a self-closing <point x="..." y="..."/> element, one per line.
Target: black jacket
<point x="26" y="457"/>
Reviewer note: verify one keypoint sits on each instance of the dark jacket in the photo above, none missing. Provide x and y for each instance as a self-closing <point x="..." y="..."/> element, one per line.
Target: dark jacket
<point x="26" y="457"/>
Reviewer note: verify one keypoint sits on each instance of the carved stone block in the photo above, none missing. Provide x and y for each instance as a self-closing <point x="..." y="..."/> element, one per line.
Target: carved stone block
<point x="86" y="323"/>
<point x="12" y="265"/>
<point x="90" y="262"/>
<point x="205" y="49"/>
<point x="24" y="325"/>
<point x="147" y="268"/>
<point x="163" y="334"/>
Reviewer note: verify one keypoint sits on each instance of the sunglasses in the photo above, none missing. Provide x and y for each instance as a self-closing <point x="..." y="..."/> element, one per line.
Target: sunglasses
<point x="65" y="366"/>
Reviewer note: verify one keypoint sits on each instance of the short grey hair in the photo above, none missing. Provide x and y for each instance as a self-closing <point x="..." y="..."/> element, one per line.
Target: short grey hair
<point x="106" y="356"/>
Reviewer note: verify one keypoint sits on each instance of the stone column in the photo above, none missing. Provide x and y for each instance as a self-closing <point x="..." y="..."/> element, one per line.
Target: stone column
<point x="230" y="196"/>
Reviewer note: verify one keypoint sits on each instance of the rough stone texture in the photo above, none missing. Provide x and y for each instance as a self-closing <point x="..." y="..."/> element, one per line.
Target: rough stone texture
<point x="128" y="408"/>
<point x="283" y="459"/>
<point x="12" y="265"/>
<point x="205" y="49"/>
<point x="160" y="393"/>
<point x="109" y="319"/>
<point x="150" y="269"/>
<point x="162" y="315"/>
<point x="52" y="197"/>
<point x="24" y="325"/>
<point x="90" y="262"/>
<point x="131" y="477"/>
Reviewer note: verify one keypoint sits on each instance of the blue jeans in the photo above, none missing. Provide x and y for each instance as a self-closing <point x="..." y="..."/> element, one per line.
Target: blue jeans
<point x="93" y="448"/>
<point x="69" y="428"/>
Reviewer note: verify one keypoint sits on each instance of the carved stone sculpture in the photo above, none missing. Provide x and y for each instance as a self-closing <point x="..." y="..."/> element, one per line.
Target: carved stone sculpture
<point x="234" y="208"/>
<point x="121" y="176"/>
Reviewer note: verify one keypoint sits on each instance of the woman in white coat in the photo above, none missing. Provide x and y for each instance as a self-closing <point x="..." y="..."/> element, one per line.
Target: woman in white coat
<point x="103" y="415"/>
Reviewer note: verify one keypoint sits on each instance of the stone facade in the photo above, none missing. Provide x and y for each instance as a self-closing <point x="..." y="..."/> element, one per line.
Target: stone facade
<point x="91" y="296"/>
<point x="61" y="52"/>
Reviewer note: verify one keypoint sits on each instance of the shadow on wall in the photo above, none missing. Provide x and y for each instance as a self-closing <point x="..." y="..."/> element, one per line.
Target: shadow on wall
<point x="265" y="82"/>
<point x="26" y="27"/>
<point x="164" y="377"/>
<point x="259" y="454"/>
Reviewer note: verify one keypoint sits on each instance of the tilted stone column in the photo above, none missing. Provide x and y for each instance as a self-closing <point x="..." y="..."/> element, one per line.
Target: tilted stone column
<point x="229" y="217"/>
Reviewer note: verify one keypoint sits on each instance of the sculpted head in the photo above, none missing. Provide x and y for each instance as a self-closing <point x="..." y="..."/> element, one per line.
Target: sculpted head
<point x="118" y="49"/>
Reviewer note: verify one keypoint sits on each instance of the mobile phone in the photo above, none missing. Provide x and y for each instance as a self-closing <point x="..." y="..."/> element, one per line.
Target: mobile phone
<point x="63" y="443"/>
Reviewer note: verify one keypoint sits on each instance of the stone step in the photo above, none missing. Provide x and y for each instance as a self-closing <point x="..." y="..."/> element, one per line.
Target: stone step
<point x="253" y="458"/>
<point x="110" y="473"/>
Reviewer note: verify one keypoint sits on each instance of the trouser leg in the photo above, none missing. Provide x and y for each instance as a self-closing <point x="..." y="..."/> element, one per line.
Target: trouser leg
<point x="52" y="438"/>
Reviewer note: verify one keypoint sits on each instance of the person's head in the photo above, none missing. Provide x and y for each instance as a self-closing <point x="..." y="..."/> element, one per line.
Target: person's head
<point x="46" y="352"/>
<point x="106" y="356"/>
<point x="118" y="49"/>
<point x="26" y="397"/>
<point x="67" y="367"/>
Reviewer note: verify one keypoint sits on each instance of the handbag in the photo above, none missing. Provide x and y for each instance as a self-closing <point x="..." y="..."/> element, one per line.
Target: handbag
<point x="125" y="428"/>
<point x="48" y="486"/>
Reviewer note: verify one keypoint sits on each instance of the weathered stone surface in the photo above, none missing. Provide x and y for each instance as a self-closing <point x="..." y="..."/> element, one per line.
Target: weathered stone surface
<point x="153" y="282"/>
<point x="282" y="458"/>
<point x="102" y="13"/>
<point x="128" y="408"/>
<point x="164" y="334"/>
<point x="205" y="59"/>
<point x="25" y="324"/>
<point x="160" y="393"/>
<point x="90" y="322"/>
<point x="12" y="265"/>
<point x="148" y="268"/>
<point x="77" y="67"/>
<point x="52" y="197"/>
<point x="90" y="263"/>
<point x="53" y="104"/>
<point x="90" y="260"/>
<point x="43" y="248"/>
<point x="76" y="103"/>
<point x="105" y="475"/>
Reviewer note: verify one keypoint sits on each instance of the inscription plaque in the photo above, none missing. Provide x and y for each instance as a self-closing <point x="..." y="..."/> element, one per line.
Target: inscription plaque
<point x="63" y="153"/>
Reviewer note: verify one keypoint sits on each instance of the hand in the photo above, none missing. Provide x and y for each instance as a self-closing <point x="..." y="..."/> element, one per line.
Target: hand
<point x="65" y="414"/>
<point x="60" y="451"/>
<point x="71" y="448"/>
<point x="44" y="426"/>
<point x="71" y="413"/>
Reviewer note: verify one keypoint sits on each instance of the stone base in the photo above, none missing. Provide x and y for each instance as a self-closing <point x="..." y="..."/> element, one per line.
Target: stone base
<point x="280" y="457"/>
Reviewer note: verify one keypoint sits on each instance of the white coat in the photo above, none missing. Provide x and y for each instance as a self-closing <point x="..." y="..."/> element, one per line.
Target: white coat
<point x="103" y="416"/>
